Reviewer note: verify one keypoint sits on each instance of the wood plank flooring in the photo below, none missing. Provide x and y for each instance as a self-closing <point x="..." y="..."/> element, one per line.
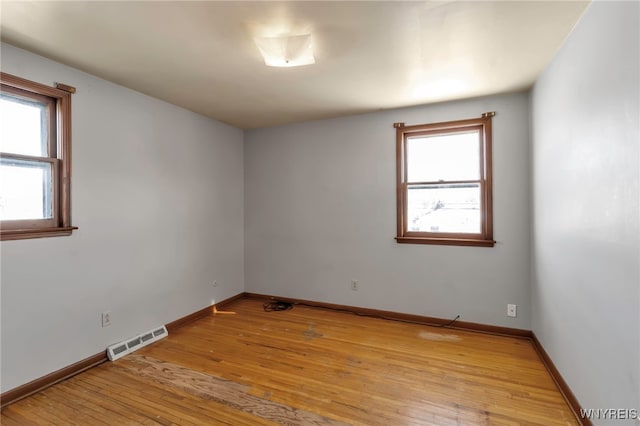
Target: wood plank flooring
<point x="308" y="367"/>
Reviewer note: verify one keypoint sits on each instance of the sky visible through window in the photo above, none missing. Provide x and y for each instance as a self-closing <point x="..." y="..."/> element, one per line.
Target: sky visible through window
<point x="434" y="202"/>
<point x="25" y="186"/>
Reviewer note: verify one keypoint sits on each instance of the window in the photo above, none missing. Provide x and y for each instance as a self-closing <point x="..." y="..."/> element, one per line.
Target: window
<point x="35" y="159"/>
<point x="444" y="183"/>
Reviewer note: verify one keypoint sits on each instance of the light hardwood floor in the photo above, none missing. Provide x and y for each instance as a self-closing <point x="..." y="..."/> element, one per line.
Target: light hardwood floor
<point x="308" y="366"/>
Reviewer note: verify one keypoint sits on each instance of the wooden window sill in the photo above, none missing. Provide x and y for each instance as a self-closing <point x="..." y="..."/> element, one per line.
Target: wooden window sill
<point x="24" y="234"/>
<point x="446" y="241"/>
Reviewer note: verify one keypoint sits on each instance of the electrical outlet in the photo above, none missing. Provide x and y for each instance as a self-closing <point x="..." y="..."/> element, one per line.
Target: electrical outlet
<point x="106" y="318"/>
<point x="354" y="285"/>
<point x="215" y="283"/>
<point x="511" y="310"/>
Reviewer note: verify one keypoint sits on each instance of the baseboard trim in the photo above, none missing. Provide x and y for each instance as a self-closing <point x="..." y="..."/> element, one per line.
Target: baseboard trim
<point x="23" y="391"/>
<point x="50" y="379"/>
<point x="460" y="325"/>
<point x="204" y="312"/>
<point x="562" y="385"/>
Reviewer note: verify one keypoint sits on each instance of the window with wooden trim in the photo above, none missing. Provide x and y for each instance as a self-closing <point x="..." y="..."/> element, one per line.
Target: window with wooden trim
<point x="444" y="187"/>
<point x="35" y="159"/>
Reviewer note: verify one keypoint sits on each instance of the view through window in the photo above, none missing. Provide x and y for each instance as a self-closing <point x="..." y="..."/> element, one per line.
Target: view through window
<point x="27" y="189"/>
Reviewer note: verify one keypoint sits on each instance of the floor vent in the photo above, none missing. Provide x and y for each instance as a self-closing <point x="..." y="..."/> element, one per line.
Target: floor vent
<point x="121" y="349"/>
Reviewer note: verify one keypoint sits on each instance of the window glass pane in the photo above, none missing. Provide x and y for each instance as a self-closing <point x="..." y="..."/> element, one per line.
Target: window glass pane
<point x="444" y="208"/>
<point x="26" y="190"/>
<point x="23" y="126"/>
<point x="443" y="157"/>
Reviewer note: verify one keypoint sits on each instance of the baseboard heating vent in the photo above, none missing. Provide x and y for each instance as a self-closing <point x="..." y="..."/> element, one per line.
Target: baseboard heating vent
<point x="121" y="349"/>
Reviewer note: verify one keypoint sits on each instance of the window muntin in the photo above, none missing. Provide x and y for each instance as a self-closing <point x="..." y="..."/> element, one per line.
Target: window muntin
<point x="444" y="183"/>
<point x="35" y="166"/>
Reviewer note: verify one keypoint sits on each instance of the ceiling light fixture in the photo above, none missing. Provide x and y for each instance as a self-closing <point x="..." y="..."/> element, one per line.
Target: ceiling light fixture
<point x="286" y="51"/>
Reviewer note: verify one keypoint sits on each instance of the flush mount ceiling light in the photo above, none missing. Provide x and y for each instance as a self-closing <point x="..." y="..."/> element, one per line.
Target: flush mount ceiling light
<point x="286" y="51"/>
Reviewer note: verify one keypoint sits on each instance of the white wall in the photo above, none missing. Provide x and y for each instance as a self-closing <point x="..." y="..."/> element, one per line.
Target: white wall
<point x="586" y="268"/>
<point x="157" y="196"/>
<point x="320" y="211"/>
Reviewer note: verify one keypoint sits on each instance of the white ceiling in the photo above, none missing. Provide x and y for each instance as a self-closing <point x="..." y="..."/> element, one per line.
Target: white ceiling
<point x="369" y="55"/>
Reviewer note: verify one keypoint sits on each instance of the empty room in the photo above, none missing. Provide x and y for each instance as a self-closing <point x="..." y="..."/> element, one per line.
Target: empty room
<point x="340" y="213"/>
